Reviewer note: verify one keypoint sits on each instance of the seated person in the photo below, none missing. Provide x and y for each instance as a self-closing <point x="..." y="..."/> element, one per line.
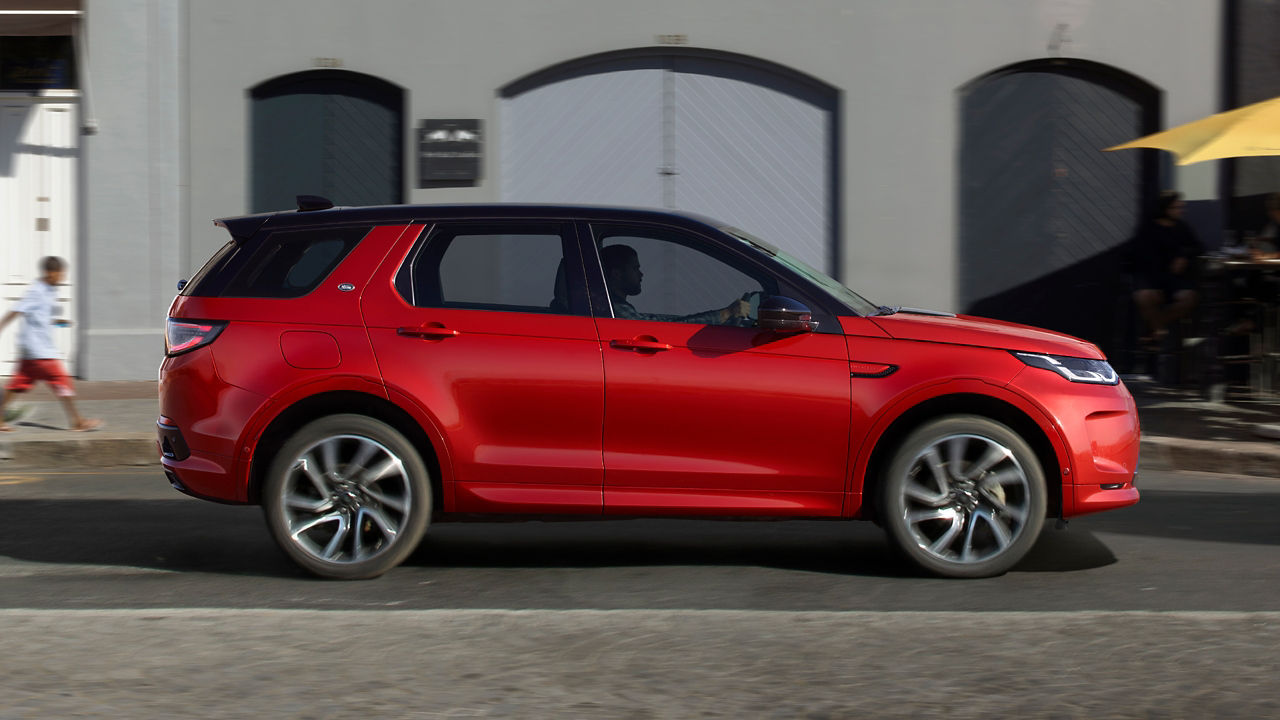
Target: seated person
<point x="1251" y="284"/>
<point x="1267" y="241"/>
<point x="623" y="277"/>
<point x="1165" y="253"/>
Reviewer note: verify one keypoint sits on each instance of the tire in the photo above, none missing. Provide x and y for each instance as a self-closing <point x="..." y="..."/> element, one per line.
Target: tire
<point x="964" y="497"/>
<point x="347" y="497"/>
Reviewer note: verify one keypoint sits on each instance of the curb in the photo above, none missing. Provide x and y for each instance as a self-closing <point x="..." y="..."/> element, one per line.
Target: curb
<point x="1259" y="459"/>
<point x="83" y="451"/>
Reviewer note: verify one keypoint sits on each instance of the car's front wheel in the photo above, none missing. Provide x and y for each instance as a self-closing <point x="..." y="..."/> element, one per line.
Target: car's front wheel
<point x="347" y="497"/>
<point x="964" y="497"/>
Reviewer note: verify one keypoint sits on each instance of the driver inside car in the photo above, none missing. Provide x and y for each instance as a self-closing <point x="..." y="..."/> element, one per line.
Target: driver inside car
<point x="622" y="273"/>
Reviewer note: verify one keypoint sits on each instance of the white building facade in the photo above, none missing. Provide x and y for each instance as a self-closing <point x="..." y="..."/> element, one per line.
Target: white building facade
<point x="925" y="152"/>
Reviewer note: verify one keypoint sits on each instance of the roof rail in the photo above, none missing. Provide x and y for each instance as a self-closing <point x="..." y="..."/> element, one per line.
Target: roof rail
<point x="307" y="203"/>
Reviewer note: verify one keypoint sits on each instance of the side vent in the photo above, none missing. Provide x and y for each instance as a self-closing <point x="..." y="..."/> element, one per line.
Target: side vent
<point x="307" y="203"/>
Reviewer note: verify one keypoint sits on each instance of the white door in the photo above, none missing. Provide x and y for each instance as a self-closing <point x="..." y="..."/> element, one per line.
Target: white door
<point x="38" y="160"/>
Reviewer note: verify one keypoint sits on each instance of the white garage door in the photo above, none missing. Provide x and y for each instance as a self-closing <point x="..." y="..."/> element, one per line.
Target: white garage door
<point x="38" y="156"/>
<point x="739" y="142"/>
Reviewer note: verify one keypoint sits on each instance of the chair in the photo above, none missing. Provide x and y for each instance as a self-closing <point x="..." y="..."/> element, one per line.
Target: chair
<point x="1248" y="347"/>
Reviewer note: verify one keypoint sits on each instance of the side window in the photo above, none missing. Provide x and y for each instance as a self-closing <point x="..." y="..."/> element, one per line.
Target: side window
<point x="292" y="263"/>
<point x="508" y="267"/>
<point x="658" y="274"/>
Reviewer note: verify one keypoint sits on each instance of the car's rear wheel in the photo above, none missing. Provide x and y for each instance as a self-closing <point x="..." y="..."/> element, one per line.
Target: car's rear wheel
<point x="347" y="497"/>
<point x="964" y="497"/>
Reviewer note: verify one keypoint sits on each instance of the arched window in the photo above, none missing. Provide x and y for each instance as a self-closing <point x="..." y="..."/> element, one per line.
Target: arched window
<point x="333" y="133"/>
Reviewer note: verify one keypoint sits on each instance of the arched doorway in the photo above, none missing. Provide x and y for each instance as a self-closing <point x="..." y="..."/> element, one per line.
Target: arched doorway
<point x="1044" y="213"/>
<point x="745" y="141"/>
<point x="327" y="132"/>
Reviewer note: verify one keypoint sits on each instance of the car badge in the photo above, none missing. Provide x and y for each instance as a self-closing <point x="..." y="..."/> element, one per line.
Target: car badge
<point x="346" y="287"/>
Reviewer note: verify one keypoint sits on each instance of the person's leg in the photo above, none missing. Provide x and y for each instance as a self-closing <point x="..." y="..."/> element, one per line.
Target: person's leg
<point x="1150" y="302"/>
<point x="78" y="422"/>
<point x="1184" y="301"/>
<point x="55" y="374"/>
<point x="4" y="409"/>
<point x="19" y="383"/>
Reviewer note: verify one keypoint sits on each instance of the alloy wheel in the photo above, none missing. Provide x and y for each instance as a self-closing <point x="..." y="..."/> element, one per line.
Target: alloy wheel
<point x="966" y="498"/>
<point x="345" y="499"/>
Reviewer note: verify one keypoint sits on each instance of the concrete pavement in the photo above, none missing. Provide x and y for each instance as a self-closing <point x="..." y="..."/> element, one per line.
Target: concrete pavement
<point x="1181" y="431"/>
<point x="40" y="437"/>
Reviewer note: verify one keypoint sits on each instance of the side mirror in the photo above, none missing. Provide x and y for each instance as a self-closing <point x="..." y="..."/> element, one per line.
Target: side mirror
<point x="785" y="315"/>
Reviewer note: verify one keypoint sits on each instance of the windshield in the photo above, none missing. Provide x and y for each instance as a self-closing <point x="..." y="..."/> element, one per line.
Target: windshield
<point x="840" y="293"/>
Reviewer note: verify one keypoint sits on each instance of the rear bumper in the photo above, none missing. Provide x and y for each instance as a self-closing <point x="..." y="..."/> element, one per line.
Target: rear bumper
<point x="200" y="427"/>
<point x="173" y="446"/>
<point x="205" y="478"/>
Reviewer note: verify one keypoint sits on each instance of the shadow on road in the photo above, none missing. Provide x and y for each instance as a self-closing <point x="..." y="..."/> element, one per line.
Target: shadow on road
<point x="1248" y="519"/>
<point x="185" y="536"/>
<point x="832" y="547"/>
<point x="176" y="535"/>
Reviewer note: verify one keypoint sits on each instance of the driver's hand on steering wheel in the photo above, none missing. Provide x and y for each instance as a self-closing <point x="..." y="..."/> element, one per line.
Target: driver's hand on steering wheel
<point x="737" y="309"/>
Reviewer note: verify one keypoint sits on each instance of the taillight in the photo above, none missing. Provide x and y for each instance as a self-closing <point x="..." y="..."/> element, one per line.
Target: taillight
<point x="186" y="335"/>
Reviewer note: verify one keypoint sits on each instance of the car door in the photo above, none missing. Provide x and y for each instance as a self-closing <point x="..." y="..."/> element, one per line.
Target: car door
<point x="486" y="327"/>
<point x="701" y="415"/>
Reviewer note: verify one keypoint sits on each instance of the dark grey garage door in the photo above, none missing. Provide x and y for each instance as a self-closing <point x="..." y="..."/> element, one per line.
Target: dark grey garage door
<point x="334" y="134"/>
<point x="1045" y="214"/>
<point x="738" y="140"/>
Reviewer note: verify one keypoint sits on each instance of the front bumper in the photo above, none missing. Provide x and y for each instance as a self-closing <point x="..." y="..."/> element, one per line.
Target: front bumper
<point x="1101" y="435"/>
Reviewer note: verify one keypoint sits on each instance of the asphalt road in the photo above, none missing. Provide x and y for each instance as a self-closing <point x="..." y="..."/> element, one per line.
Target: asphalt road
<point x="120" y="597"/>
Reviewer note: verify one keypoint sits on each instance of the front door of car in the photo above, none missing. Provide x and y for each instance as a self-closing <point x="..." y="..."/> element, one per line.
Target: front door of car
<point x="485" y="327"/>
<point x="703" y="414"/>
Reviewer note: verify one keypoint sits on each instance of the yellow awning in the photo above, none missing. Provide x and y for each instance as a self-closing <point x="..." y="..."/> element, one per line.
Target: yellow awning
<point x="1246" y="131"/>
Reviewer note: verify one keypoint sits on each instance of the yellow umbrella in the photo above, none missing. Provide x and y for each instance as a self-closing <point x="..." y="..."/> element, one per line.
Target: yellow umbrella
<point x="1246" y="131"/>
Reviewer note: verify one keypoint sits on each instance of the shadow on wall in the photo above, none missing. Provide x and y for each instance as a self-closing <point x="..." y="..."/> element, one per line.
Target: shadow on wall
<point x="13" y="122"/>
<point x="1093" y="299"/>
<point x="1090" y="300"/>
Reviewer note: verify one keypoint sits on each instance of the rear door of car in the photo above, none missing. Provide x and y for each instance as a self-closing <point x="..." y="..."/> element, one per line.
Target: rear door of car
<point x="485" y="325"/>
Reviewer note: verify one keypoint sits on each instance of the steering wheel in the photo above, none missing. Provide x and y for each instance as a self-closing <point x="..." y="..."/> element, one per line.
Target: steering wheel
<point x="753" y="298"/>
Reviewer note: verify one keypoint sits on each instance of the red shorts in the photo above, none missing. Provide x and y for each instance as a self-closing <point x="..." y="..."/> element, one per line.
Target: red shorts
<point x="47" y="369"/>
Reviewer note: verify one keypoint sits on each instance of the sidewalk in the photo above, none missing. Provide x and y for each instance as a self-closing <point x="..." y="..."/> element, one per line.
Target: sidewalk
<point x="1180" y="431"/>
<point x="1183" y="431"/>
<point x="40" y="439"/>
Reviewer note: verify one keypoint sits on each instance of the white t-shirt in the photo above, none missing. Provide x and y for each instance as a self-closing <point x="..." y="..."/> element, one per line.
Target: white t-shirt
<point x="35" y="337"/>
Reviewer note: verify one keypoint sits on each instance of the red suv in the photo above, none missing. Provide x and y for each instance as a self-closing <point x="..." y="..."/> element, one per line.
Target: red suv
<point x="360" y="372"/>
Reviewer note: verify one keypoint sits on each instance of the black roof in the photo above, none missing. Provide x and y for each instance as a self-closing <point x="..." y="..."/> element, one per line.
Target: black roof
<point x="246" y="225"/>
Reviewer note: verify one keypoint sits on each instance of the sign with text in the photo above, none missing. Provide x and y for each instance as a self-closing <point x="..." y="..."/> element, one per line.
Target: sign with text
<point x="448" y="151"/>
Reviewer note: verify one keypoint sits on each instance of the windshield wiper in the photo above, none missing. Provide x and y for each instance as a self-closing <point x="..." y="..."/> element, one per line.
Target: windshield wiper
<point x="885" y="310"/>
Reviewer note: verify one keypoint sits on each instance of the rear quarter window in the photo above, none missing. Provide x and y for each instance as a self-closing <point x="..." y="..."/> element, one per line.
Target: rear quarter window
<point x="204" y="282"/>
<point x="290" y="263"/>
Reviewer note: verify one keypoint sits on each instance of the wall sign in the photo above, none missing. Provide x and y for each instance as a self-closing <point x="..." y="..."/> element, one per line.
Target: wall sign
<point x="448" y="151"/>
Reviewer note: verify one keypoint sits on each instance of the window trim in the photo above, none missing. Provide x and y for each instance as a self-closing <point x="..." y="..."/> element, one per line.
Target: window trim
<point x="215" y="281"/>
<point x="579" y="305"/>
<point x="700" y="240"/>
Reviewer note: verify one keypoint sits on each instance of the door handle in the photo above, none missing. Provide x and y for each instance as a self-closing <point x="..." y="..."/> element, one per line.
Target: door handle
<point x="433" y="332"/>
<point x="643" y="343"/>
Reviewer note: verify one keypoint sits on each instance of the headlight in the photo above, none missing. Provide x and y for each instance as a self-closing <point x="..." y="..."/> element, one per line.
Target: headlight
<point x="1081" y="370"/>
